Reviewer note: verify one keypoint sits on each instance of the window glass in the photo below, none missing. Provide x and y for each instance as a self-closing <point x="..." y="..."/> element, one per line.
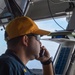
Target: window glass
<point x="51" y="46"/>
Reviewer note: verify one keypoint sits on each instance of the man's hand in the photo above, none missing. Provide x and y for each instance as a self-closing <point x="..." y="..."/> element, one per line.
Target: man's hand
<point x="46" y="55"/>
<point x="47" y="69"/>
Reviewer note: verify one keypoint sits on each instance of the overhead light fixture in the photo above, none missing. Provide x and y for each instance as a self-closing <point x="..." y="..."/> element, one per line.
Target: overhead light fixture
<point x="67" y="0"/>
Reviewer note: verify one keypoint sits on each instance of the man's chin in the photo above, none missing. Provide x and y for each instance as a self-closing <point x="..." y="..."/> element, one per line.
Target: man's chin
<point x="34" y="57"/>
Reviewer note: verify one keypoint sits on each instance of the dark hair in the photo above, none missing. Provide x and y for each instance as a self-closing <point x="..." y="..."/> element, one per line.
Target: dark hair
<point x="13" y="42"/>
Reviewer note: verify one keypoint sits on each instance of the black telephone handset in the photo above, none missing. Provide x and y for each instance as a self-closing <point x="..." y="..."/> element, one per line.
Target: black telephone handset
<point x="42" y="53"/>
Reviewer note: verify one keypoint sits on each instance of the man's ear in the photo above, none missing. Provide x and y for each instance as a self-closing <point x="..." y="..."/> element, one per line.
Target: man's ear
<point x="25" y="40"/>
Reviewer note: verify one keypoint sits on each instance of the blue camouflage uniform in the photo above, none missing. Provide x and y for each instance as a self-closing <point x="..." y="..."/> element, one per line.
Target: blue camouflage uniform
<point x="10" y="64"/>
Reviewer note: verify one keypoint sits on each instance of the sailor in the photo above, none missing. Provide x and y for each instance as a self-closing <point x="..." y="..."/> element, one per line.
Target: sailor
<point x="23" y="44"/>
